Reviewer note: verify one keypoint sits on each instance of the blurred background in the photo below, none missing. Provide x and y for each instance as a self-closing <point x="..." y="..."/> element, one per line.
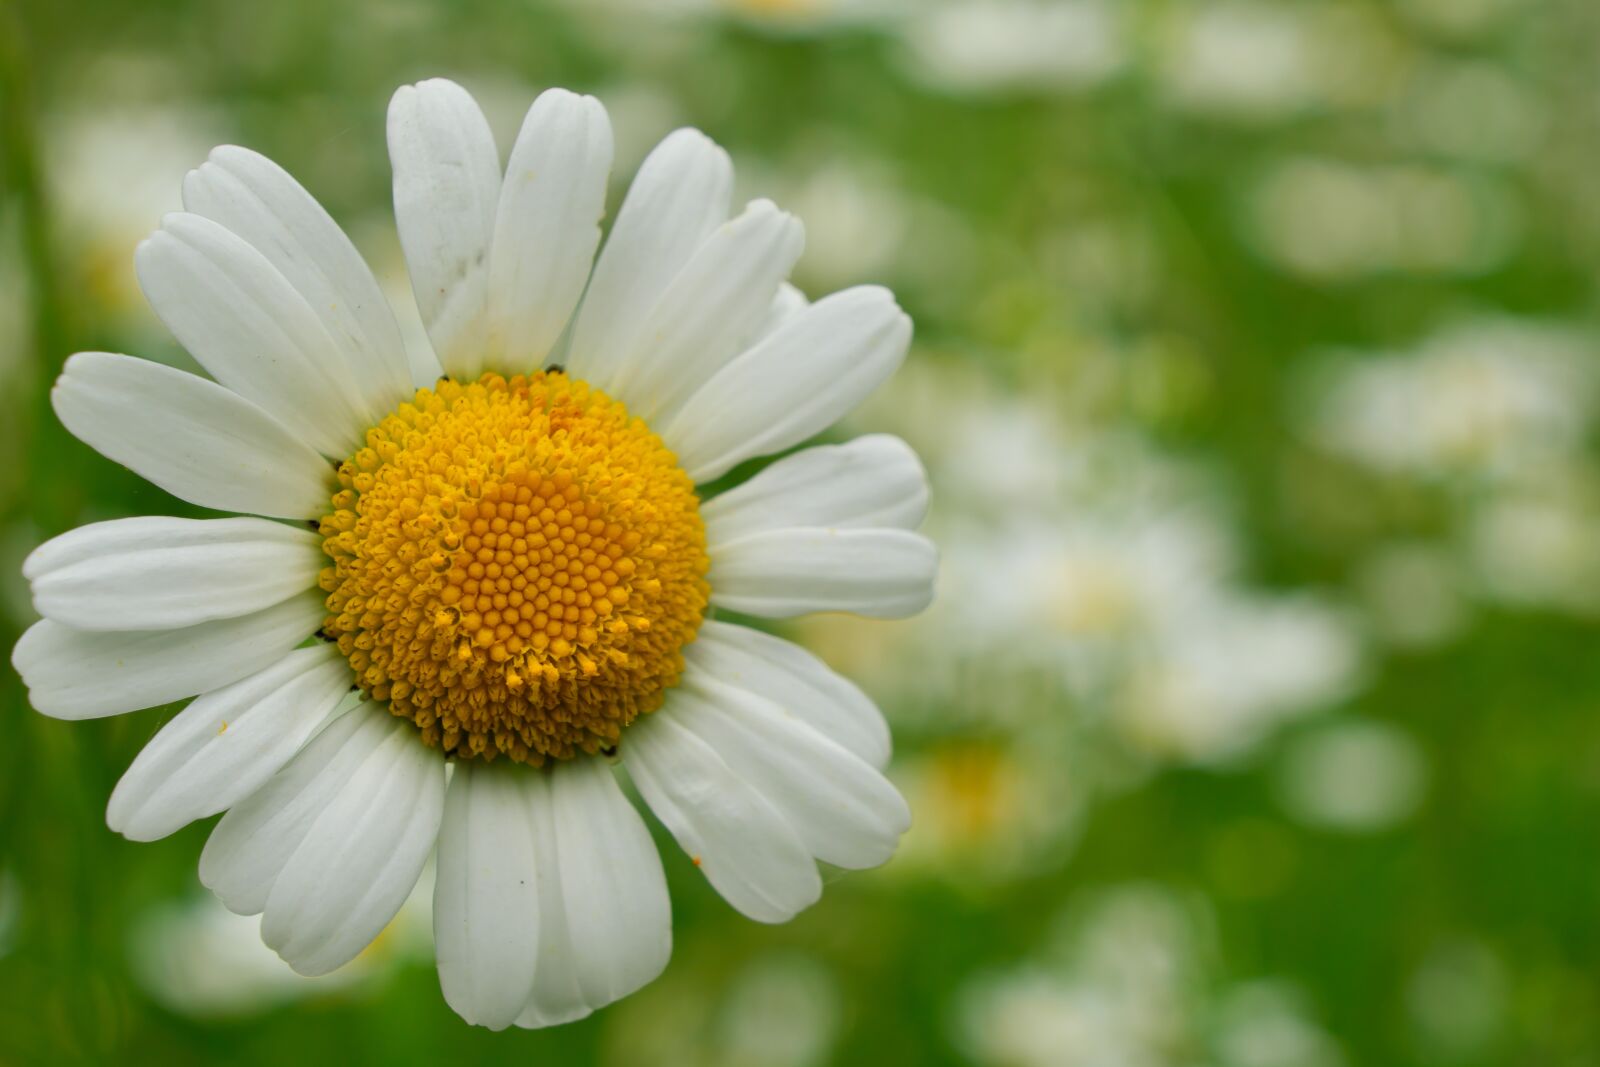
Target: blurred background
<point x="1257" y="372"/>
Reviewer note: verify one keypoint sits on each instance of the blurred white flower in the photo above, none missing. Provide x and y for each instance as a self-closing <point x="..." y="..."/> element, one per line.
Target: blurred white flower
<point x="1471" y="110"/>
<point x="1253" y="61"/>
<point x="1013" y="45"/>
<point x="773" y="16"/>
<point x="1095" y="564"/>
<point x="782" y="1011"/>
<point x="197" y="958"/>
<point x="777" y="1009"/>
<point x="855" y="217"/>
<point x="1131" y="982"/>
<point x="1266" y="1024"/>
<point x="1036" y="1019"/>
<point x="1536" y="544"/>
<point x="640" y="109"/>
<point x="989" y="811"/>
<point x="1241" y="58"/>
<point x="1334" y="221"/>
<point x="1457" y="1000"/>
<point x="1107" y="262"/>
<point x="812" y="15"/>
<point x="113" y="169"/>
<point x="1412" y="594"/>
<point x="1084" y="593"/>
<point x="1499" y="410"/>
<point x="1354" y="776"/>
<point x="1488" y="397"/>
<point x="1458" y="18"/>
<point x="1230" y="668"/>
<point x="1116" y="991"/>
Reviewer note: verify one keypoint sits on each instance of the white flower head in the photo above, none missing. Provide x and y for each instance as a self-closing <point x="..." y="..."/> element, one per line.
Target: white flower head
<point x="505" y="557"/>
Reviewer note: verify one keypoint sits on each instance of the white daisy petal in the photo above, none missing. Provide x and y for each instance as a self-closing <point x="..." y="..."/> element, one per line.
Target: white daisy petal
<point x="741" y="843"/>
<point x="777" y="574"/>
<point x="875" y="480"/>
<point x="556" y="996"/>
<point x="331" y="846"/>
<point x="678" y="197"/>
<point x="226" y="743"/>
<point x="486" y="899"/>
<point x="446" y="185"/>
<point x="788" y="303"/>
<point x="844" y="810"/>
<point x="362" y="856"/>
<point x="795" y="680"/>
<point x="249" y="847"/>
<point x="159" y="573"/>
<point x="258" y="200"/>
<point x="792" y="384"/>
<point x="547" y="226"/>
<point x="198" y="441"/>
<point x="75" y="674"/>
<point x="605" y="926"/>
<point x="239" y="316"/>
<point x="720" y="297"/>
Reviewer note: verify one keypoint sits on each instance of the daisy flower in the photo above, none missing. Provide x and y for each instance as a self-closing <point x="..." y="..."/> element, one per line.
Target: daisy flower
<point x="507" y="563"/>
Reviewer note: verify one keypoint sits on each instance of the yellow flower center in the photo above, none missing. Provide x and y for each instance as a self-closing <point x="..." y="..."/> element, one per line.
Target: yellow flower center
<point x="517" y="565"/>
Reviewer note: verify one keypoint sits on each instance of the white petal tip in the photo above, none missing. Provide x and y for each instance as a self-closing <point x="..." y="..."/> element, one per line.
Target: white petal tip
<point x="406" y="94"/>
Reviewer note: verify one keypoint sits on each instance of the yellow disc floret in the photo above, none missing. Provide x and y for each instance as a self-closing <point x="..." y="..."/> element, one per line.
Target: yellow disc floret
<point x="517" y="565"/>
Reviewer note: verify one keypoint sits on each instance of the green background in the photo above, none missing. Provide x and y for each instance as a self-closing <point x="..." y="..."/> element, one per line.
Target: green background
<point x="1150" y="250"/>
